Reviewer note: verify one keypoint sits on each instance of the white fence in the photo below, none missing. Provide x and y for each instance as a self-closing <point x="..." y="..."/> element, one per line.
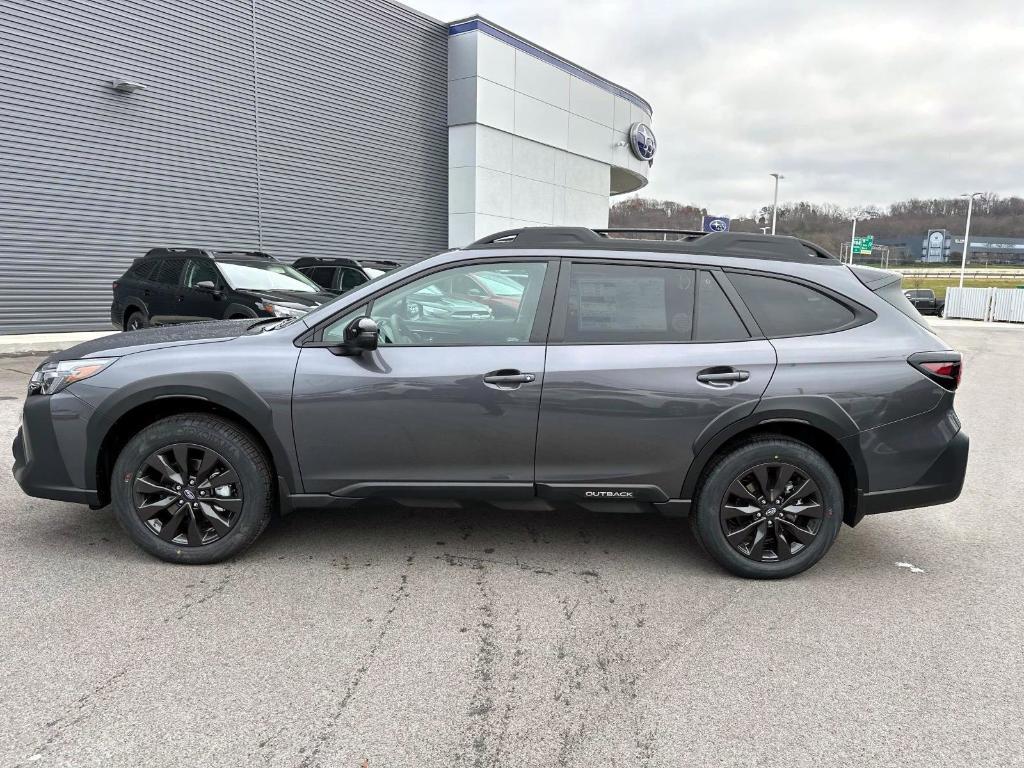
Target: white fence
<point x="1005" y="304"/>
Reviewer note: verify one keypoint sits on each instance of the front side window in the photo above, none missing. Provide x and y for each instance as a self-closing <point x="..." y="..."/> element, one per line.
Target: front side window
<point x="349" y="279"/>
<point x="265" y="276"/>
<point x="322" y="276"/>
<point x="611" y="303"/>
<point x="784" y="308"/>
<point x="430" y="311"/>
<point x="200" y="271"/>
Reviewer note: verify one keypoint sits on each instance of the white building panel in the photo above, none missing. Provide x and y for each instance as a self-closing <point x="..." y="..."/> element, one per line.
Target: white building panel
<point x="542" y="134"/>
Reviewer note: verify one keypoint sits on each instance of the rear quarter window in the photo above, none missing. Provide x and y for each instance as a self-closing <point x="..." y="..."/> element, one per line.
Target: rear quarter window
<point x="785" y="308"/>
<point x="894" y="295"/>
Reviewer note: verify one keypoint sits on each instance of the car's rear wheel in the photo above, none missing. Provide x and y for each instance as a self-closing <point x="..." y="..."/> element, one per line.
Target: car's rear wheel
<point x="135" y="321"/>
<point x="192" y="488"/>
<point x="770" y="508"/>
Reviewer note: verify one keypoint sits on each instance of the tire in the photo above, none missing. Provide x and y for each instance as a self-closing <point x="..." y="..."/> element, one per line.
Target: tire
<point x="135" y="321"/>
<point x="724" y="521"/>
<point x="199" y="525"/>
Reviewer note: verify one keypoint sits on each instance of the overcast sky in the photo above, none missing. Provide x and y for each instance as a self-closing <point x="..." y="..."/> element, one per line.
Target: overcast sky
<point x="856" y="102"/>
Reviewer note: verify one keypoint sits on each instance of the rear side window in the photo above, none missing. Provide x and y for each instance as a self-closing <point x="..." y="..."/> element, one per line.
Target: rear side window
<point x="622" y="303"/>
<point x="893" y="294"/>
<point x="169" y="271"/>
<point x="716" y="318"/>
<point x="142" y="270"/>
<point x="784" y="308"/>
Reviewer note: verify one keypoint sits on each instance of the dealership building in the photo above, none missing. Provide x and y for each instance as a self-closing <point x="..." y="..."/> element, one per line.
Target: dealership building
<point x="315" y="128"/>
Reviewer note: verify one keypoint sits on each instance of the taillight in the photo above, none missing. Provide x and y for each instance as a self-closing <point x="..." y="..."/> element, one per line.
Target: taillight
<point x="114" y="285"/>
<point x="944" y="368"/>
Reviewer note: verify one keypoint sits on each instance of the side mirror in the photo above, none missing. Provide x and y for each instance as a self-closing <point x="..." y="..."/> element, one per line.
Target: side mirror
<point x="207" y="285"/>
<point x="361" y="335"/>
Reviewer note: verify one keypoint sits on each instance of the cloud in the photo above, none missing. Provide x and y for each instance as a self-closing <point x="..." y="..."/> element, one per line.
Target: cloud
<point x="856" y="103"/>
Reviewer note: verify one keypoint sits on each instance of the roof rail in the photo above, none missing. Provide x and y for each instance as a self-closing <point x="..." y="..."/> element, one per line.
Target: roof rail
<point x="168" y="251"/>
<point x="690" y="233"/>
<point x="253" y="254"/>
<point x="208" y="253"/>
<point x="736" y="244"/>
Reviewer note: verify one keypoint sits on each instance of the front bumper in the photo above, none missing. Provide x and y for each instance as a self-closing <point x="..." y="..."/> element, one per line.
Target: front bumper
<point x="40" y="467"/>
<point x="940" y="484"/>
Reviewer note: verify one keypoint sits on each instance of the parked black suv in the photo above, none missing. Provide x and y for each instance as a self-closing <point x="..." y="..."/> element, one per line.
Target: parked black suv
<point x="177" y="285"/>
<point x="341" y="274"/>
<point x="924" y="301"/>
<point x="753" y="383"/>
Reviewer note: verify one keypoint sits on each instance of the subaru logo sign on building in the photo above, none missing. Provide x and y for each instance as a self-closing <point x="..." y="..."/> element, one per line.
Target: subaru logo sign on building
<point x="714" y="224"/>
<point x="642" y="141"/>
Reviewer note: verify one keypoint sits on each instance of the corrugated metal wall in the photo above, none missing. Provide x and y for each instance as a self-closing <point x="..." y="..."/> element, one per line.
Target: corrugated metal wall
<point x="351" y="157"/>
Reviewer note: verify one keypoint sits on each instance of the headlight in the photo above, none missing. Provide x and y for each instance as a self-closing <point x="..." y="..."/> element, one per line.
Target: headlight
<point x="51" y="378"/>
<point x="281" y="310"/>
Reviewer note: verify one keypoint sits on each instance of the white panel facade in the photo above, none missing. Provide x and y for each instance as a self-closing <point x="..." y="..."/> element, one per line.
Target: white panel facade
<point x="530" y="143"/>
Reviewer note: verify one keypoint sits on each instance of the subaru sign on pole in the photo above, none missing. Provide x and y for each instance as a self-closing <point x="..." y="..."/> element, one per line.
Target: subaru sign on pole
<point x="714" y="224"/>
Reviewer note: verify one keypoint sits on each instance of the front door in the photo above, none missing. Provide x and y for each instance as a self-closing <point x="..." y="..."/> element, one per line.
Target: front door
<point x="446" y="406"/>
<point x="195" y="302"/>
<point x="641" y="360"/>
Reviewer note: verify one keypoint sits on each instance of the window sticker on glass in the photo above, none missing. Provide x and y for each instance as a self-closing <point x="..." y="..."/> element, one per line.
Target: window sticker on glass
<point x="622" y="303"/>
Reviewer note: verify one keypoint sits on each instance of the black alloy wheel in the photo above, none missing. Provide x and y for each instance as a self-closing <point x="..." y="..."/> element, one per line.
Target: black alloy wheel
<point x="187" y="494"/>
<point x="771" y="512"/>
<point x="135" y="322"/>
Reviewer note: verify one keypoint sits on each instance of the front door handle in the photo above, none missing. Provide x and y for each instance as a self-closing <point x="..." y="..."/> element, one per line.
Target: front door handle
<point x="722" y="377"/>
<point x="508" y="379"/>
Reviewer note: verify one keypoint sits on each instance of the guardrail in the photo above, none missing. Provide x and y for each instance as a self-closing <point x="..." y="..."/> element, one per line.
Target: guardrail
<point x="1001" y="304"/>
<point x="978" y="274"/>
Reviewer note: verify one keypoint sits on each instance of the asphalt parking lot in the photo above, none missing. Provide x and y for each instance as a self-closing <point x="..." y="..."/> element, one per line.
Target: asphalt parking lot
<point x="402" y="637"/>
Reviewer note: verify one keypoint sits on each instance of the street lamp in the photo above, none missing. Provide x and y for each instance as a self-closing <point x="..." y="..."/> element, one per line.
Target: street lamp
<point x="967" y="232"/>
<point x="775" y="200"/>
<point x="853" y="236"/>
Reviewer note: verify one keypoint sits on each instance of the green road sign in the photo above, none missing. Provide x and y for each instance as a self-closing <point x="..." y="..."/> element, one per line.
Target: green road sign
<point x="863" y="245"/>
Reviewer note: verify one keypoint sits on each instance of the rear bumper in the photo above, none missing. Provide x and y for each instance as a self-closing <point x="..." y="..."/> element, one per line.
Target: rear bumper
<point x="117" y="316"/>
<point x="39" y="466"/>
<point x="940" y="484"/>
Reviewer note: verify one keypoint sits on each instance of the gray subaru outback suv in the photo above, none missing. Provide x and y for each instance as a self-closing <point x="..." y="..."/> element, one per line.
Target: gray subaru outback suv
<point x="752" y="383"/>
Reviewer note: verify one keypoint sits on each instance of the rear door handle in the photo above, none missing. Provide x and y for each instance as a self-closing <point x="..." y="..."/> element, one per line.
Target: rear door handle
<point x="721" y="378"/>
<point x="508" y="379"/>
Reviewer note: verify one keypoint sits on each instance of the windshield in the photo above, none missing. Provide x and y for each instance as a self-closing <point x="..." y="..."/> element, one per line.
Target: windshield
<point x="265" y="276"/>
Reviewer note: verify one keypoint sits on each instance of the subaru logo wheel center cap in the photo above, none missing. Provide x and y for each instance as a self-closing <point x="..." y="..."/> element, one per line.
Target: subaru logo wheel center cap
<point x="189" y="495"/>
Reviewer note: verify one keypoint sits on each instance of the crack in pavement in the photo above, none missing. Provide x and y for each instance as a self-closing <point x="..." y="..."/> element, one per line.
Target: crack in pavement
<point x="80" y="710"/>
<point x="311" y="758"/>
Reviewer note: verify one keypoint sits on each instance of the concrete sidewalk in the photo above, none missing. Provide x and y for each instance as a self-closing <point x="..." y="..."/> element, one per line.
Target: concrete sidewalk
<point x="35" y="343"/>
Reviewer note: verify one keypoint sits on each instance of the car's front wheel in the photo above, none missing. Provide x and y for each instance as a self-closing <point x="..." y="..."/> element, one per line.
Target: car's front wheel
<point x="192" y="488"/>
<point x="770" y="508"/>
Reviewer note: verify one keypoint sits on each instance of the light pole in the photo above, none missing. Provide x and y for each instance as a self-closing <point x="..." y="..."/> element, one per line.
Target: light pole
<point x="853" y="236"/>
<point x="967" y="232"/>
<point x="775" y="200"/>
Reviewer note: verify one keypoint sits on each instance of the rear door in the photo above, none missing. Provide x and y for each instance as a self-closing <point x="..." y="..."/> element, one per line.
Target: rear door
<point x="162" y="297"/>
<point x="642" y="358"/>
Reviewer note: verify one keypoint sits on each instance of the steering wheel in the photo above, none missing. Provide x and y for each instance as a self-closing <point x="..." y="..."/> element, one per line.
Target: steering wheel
<point x="393" y="331"/>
